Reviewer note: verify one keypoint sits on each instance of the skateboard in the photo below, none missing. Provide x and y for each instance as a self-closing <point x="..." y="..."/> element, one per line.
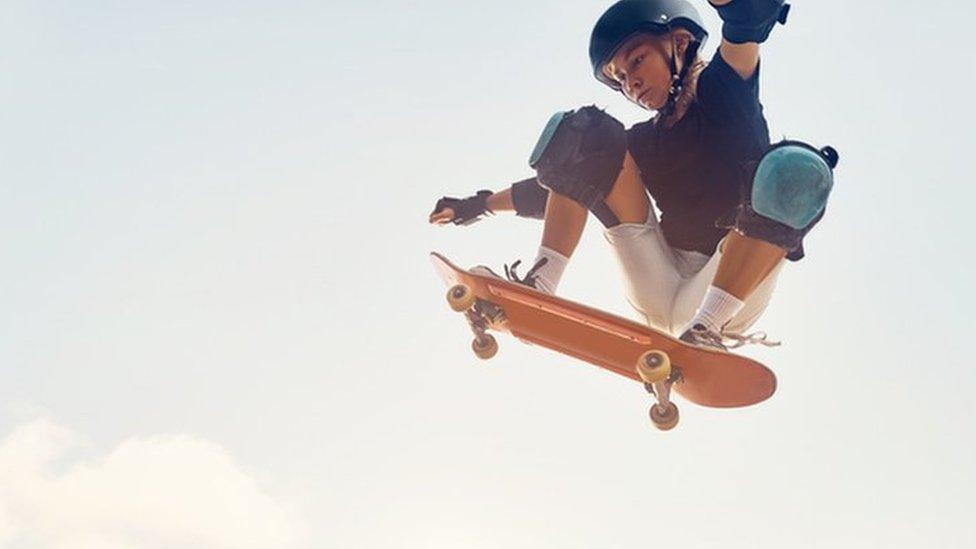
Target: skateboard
<point x="658" y="360"/>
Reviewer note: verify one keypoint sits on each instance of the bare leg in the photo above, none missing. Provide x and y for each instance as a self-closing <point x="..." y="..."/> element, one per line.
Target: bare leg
<point x="628" y="198"/>
<point x="745" y="263"/>
<point x="565" y="219"/>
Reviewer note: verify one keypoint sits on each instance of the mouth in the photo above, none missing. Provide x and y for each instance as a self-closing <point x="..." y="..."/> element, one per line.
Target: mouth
<point x="640" y="98"/>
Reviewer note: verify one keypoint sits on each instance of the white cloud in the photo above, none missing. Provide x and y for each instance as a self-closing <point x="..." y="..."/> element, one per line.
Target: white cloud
<point x="159" y="491"/>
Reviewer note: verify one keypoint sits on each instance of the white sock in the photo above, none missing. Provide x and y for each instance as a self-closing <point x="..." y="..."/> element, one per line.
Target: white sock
<point x="718" y="308"/>
<point x="548" y="275"/>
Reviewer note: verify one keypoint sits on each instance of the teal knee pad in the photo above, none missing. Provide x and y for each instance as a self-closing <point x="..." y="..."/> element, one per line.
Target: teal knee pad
<point x="792" y="183"/>
<point x="547" y="134"/>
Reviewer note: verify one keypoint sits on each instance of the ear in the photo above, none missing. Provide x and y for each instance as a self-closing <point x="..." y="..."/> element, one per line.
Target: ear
<point x="681" y="42"/>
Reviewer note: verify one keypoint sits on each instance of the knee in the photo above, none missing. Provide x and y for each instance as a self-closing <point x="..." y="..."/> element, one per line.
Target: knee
<point x="580" y="154"/>
<point x="788" y="194"/>
<point x="792" y="182"/>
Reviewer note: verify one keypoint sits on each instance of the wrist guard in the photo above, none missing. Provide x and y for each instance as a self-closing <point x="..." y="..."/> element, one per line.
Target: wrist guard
<point x="466" y="210"/>
<point x="751" y="20"/>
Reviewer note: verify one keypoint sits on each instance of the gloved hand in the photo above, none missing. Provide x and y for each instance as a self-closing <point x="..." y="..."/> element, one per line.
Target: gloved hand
<point x="750" y="20"/>
<point x="461" y="211"/>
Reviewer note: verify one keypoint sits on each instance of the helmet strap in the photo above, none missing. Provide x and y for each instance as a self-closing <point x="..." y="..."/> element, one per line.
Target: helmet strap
<point x="678" y="77"/>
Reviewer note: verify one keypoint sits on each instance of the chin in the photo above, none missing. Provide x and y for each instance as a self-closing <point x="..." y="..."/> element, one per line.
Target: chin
<point x="652" y="103"/>
<point x="655" y="106"/>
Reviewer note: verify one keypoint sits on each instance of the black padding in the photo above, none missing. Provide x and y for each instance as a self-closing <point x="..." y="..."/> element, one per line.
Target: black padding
<point x="583" y="157"/>
<point x="529" y="198"/>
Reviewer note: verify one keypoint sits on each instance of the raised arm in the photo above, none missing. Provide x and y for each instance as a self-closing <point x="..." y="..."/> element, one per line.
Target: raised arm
<point x="745" y="25"/>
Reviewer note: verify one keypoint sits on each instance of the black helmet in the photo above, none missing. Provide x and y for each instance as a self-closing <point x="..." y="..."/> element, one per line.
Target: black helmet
<point x="628" y="17"/>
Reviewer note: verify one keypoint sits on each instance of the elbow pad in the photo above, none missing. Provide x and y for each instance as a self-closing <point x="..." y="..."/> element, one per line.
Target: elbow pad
<point x="751" y="20"/>
<point x="529" y="198"/>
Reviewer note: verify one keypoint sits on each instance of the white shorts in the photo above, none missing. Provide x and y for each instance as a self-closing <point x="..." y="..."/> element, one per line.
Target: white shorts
<point x="667" y="285"/>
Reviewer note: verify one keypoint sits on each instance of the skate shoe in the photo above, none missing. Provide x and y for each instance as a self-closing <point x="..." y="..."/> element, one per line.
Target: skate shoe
<point x="701" y="336"/>
<point x="530" y="279"/>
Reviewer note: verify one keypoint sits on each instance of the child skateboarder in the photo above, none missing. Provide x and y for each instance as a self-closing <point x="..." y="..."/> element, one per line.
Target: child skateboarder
<point x="733" y="207"/>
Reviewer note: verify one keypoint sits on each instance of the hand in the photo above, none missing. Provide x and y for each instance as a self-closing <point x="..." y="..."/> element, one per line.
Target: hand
<point x="746" y="21"/>
<point x="460" y="211"/>
<point x="441" y="217"/>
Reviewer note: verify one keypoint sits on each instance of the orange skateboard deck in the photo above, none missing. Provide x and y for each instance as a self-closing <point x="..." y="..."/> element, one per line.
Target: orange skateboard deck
<point x="708" y="377"/>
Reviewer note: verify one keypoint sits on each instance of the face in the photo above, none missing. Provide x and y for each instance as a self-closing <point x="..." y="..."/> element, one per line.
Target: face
<point x="642" y="68"/>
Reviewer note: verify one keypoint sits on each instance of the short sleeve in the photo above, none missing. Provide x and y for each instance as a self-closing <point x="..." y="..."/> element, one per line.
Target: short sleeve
<point x="724" y="96"/>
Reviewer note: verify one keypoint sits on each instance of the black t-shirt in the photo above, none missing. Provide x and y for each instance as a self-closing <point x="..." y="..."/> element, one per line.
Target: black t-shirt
<point x="695" y="169"/>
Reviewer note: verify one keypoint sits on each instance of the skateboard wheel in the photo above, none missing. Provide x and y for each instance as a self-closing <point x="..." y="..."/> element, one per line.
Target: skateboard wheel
<point x="664" y="417"/>
<point x="653" y="366"/>
<point x="485" y="346"/>
<point x="460" y="298"/>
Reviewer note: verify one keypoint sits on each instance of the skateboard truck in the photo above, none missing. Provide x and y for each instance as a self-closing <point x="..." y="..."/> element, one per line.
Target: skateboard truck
<point x="479" y="314"/>
<point x="484" y="344"/>
<point x="655" y="369"/>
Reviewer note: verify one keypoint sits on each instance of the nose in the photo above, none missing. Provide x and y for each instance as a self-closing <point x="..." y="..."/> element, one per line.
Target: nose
<point x="632" y="86"/>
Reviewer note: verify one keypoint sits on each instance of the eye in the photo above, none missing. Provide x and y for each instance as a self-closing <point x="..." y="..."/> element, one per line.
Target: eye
<point x="636" y="61"/>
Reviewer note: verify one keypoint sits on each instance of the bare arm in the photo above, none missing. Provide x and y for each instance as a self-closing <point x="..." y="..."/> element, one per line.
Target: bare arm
<point x="501" y="201"/>
<point x="743" y="58"/>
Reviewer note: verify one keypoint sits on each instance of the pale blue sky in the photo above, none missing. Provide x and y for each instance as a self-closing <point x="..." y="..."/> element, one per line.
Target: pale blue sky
<point x="215" y="248"/>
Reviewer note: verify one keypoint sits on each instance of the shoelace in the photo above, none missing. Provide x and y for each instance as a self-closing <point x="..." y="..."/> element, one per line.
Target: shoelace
<point x="755" y="338"/>
<point x="529" y="278"/>
<point x="708" y="338"/>
<point x="732" y="341"/>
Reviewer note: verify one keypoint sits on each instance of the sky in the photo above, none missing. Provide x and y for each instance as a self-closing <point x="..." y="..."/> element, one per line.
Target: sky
<point x="219" y="326"/>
